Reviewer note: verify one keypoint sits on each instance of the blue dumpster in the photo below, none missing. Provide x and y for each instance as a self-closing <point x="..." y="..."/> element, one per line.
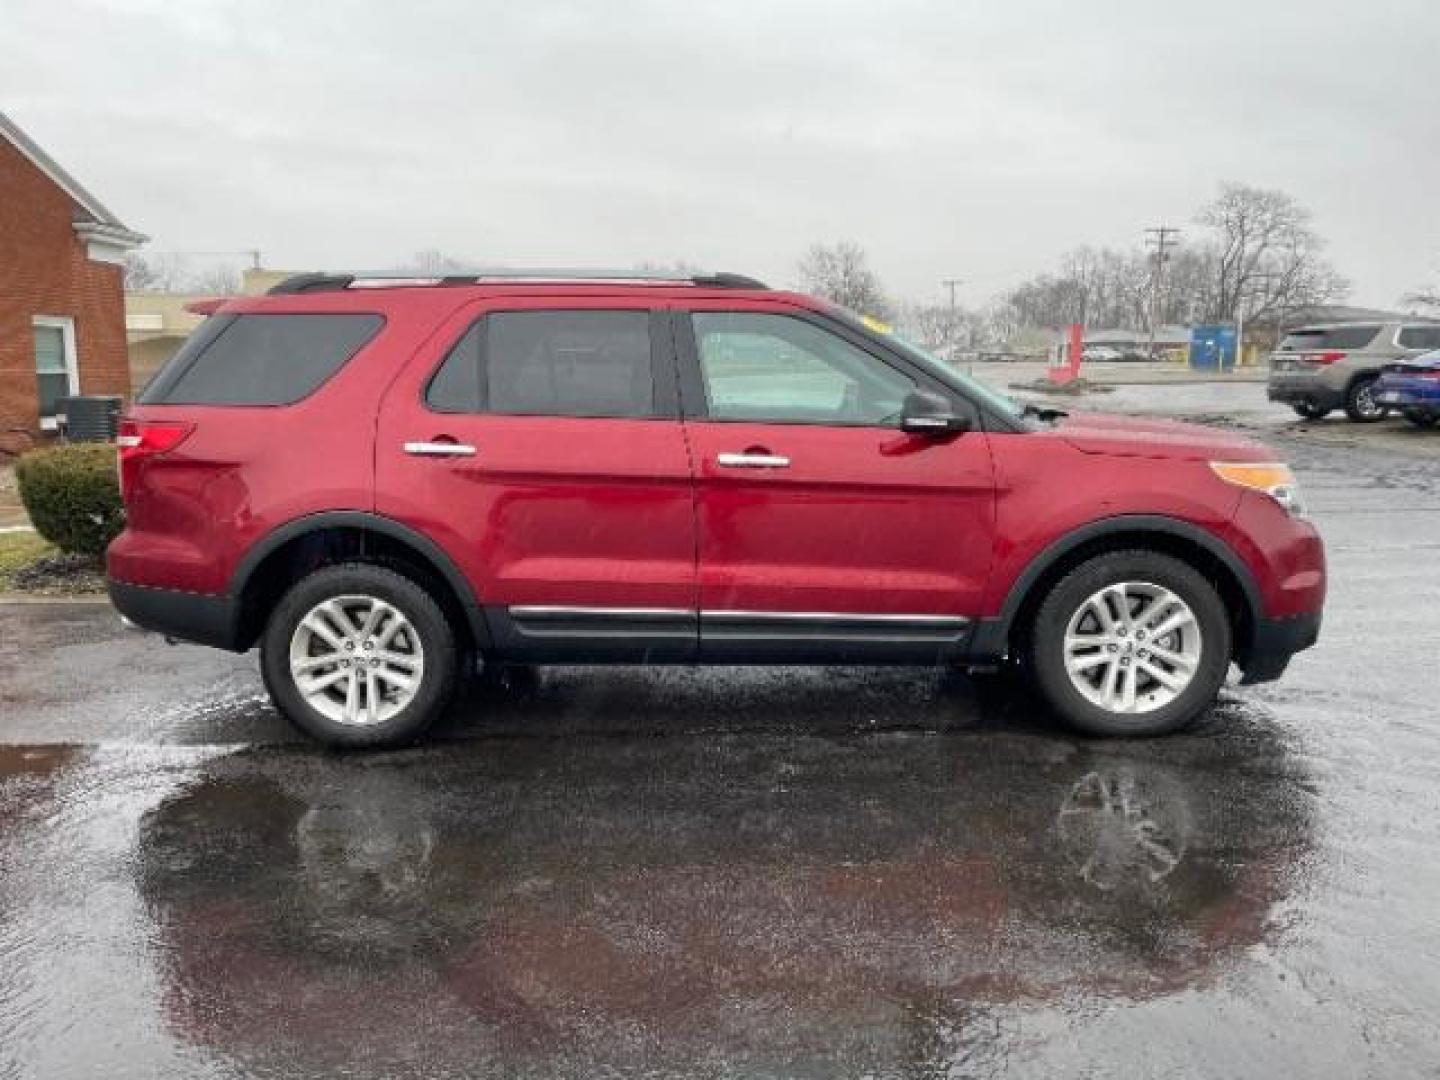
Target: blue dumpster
<point x="1212" y="348"/>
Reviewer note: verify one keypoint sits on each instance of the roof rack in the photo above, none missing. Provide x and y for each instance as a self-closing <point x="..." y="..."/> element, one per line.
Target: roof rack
<point x="315" y="282"/>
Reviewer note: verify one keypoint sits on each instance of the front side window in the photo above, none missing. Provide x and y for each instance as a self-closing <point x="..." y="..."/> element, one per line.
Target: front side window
<point x="781" y="369"/>
<point x="54" y="364"/>
<point x="550" y="363"/>
<point x="259" y="359"/>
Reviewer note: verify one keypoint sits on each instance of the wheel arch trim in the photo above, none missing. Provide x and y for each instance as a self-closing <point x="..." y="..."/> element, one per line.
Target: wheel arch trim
<point x="424" y="547"/>
<point x="993" y="634"/>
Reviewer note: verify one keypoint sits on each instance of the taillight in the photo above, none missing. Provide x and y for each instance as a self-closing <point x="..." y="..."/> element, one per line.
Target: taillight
<point x="145" y="438"/>
<point x="1323" y="358"/>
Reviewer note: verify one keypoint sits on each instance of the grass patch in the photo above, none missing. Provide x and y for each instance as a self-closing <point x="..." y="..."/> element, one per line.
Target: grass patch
<point x="17" y="551"/>
<point x="30" y="564"/>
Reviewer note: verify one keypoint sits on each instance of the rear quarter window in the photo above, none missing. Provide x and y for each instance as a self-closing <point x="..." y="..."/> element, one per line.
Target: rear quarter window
<point x="1330" y="337"/>
<point x="260" y="359"/>
<point x="1420" y="337"/>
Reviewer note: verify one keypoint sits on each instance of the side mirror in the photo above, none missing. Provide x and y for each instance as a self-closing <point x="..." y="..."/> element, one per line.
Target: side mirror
<point x="926" y="413"/>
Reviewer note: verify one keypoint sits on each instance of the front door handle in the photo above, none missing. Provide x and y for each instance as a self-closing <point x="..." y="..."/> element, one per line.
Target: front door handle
<point x="753" y="461"/>
<point x="439" y="449"/>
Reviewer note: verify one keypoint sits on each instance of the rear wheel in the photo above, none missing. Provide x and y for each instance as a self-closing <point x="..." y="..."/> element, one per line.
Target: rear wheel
<point x="1130" y="643"/>
<point x="358" y="655"/>
<point x="1422" y="419"/>
<point x="1310" y="411"/>
<point x="1360" y="403"/>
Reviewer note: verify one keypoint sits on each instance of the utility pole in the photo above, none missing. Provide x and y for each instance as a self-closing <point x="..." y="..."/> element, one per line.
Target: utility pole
<point x="1160" y="237"/>
<point x="952" y="284"/>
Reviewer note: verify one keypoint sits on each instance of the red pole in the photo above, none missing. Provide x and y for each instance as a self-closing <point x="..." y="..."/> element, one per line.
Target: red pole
<point x="1070" y="370"/>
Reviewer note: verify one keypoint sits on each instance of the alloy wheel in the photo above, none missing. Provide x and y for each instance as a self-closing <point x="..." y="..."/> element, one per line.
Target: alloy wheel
<point x="1365" y="403"/>
<point x="1132" y="647"/>
<point x="356" y="660"/>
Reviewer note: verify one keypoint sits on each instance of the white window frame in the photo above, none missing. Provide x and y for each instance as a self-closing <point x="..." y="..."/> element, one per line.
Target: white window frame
<point x="66" y="325"/>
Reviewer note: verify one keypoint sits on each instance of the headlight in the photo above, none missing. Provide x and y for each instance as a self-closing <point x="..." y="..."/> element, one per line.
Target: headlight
<point x="1269" y="478"/>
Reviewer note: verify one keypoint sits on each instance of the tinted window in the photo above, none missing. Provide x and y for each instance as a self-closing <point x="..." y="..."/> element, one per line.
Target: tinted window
<point x="786" y="370"/>
<point x="456" y="386"/>
<point x="1333" y="337"/>
<point x="260" y="359"/>
<point x="1420" y="337"/>
<point x="550" y="363"/>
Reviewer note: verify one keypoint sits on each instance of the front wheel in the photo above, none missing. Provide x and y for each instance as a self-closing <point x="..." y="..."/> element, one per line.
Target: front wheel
<point x="1130" y="643"/>
<point x="358" y="656"/>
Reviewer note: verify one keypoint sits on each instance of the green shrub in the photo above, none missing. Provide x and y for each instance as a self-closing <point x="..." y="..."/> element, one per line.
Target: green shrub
<point x="72" y="494"/>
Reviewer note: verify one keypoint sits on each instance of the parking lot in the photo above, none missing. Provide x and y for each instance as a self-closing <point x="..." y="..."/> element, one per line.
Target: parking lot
<point x="725" y="872"/>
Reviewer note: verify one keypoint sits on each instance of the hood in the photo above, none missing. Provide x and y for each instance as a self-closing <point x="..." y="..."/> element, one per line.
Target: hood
<point x="1133" y="436"/>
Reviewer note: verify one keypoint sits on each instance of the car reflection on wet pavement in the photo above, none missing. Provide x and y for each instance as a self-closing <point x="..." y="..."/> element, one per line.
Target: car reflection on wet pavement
<point x="729" y="872"/>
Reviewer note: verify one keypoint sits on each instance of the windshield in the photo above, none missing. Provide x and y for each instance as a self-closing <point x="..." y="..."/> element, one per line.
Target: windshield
<point x="942" y="369"/>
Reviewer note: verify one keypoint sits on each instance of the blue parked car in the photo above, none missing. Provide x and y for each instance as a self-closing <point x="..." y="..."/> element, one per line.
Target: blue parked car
<point x="1413" y="387"/>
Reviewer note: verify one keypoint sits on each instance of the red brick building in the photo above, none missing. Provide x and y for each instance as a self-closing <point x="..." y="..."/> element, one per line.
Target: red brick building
<point x="62" y="308"/>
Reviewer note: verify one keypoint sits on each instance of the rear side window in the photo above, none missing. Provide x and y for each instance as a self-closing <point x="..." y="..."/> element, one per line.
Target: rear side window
<point x="260" y="359"/>
<point x="1332" y="337"/>
<point x="1420" y="337"/>
<point x="550" y="363"/>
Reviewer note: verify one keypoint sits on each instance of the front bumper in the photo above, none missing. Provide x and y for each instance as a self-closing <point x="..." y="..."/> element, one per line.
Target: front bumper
<point x="182" y="616"/>
<point x="1407" y="392"/>
<point x="1273" y="642"/>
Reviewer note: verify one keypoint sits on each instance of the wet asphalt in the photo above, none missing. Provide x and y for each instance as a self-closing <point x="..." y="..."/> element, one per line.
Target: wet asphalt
<point x="774" y="872"/>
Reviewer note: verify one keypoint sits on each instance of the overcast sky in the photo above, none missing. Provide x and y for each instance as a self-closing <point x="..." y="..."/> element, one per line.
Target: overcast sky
<point x="972" y="138"/>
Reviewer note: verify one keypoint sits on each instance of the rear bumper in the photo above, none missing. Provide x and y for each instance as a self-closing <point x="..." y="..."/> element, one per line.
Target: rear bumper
<point x="184" y="616"/>
<point x="1303" y="390"/>
<point x="1273" y="642"/>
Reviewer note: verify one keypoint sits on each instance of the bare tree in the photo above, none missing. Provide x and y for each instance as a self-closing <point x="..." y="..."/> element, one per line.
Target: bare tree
<point x="941" y="328"/>
<point x="1258" y="258"/>
<point x="139" y="272"/>
<point x="841" y="272"/>
<point x="433" y="263"/>
<point x="157" y="273"/>
<point x="216" y="281"/>
<point x="1266" y="255"/>
<point x="1427" y="296"/>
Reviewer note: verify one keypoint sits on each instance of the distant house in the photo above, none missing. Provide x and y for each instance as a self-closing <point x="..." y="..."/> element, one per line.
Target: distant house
<point x="62" y="317"/>
<point x="158" y="322"/>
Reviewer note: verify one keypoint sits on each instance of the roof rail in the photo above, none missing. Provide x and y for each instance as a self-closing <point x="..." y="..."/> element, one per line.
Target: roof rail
<point x="299" y="283"/>
<point x="726" y="280"/>
<point x="315" y="282"/>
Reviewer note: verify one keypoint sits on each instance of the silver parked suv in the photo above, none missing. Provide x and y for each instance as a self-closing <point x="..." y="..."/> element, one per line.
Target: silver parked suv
<point x="1334" y="366"/>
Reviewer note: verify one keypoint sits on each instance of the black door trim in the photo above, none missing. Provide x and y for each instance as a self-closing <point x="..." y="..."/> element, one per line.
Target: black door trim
<point x="563" y="633"/>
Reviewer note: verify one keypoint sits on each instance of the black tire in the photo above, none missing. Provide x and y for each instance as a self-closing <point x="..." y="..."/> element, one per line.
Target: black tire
<point x="1309" y="411"/>
<point x="1422" y="419"/>
<point x="1047" y="637"/>
<point x="1360" y="405"/>
<point x="436" y="638"/>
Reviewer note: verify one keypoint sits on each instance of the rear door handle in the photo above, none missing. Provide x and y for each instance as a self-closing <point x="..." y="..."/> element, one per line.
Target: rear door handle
<point x="753" y="461"/>
<point x="439" y="449"/>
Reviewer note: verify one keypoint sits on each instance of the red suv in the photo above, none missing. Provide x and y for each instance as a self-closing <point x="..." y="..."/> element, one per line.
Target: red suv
<point x="382" y="481"/>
